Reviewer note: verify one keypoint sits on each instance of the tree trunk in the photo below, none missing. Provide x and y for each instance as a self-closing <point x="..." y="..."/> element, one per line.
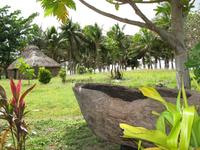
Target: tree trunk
<point x="182" y="73"/>
<point x="166" y="63"/>
<point x="172" y="63"/>
<point x="156" y="63"/>
<point x="160" y="65"/>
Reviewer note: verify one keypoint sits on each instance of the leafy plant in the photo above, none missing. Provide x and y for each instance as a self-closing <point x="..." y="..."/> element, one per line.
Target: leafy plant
<point x="182" y="120"/>
<point x="63" y="74"/>
<point x="81" y="70"/>
<point x="194" y="61"/>
<point x="90" y="70"/>
<point x="44" y="75"/>
<point x="13" y="112"/>
<point x="25" y="69"/>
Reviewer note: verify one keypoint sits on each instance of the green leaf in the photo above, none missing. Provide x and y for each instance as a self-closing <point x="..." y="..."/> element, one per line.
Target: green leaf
<point x="184" y="96"/>
<point x="153" y="94"/>
<point x="160" y="123"/>
<point x="195" y="138"/>
<point x="117" y="6"/>
<point x="154" y="136"/>
<point x="178" y="102"/>
<point x="173" y="137"/>
<point x="186" y="127"/>
<point x="58" y="8"/>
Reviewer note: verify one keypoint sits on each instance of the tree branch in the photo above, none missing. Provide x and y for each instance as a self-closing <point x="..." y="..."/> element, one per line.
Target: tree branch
<point x="139" y="12"/>
<point x="124" y="20"/>
<point x="168" y="37"/>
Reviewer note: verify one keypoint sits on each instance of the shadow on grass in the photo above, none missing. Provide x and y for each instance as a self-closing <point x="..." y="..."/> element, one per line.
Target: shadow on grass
<point x="65" y="135"/>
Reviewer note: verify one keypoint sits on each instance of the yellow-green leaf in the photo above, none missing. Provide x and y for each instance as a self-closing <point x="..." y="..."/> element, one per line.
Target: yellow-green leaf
<point x="186" y="127"/>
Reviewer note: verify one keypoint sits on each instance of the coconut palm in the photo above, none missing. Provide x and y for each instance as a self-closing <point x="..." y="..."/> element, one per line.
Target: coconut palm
<point x="94" y="36"/>
<point x="73" y="36"/>
<point x="53" y="43"/>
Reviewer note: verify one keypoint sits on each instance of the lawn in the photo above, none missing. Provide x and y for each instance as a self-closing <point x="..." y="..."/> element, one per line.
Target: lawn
<point x="55" y="119"/>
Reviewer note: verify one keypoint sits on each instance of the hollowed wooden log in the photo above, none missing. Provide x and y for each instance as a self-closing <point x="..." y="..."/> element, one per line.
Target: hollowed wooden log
<point x="105" y="106"/>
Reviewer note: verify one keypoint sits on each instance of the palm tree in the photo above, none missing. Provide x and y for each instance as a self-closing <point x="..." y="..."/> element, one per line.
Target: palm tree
<point x="94" y="36"/>
<point x="72" y="34"/>
<point x="53" y="44"/>
<point x="120" y="39"/>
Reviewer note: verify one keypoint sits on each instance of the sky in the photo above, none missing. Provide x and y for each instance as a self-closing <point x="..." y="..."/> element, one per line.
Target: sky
<point x="83" y="15"/>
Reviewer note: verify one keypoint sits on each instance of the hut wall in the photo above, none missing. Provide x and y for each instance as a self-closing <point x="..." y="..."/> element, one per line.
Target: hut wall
<point x="15" y="74"/>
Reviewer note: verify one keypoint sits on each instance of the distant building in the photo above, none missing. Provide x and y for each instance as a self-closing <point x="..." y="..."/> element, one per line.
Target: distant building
<point x="36" y="59"/>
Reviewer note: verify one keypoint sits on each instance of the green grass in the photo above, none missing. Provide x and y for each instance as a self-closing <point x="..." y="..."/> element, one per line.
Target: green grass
<point x="55" y="119"/>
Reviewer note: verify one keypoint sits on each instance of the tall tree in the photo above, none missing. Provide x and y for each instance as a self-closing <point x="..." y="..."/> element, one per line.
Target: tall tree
<point x="53" y="42"/>
<point x="174" y="38"/>
<point x="72" y="34"/>
<point x="94" y="37"/>
<point x="14" y="33"/>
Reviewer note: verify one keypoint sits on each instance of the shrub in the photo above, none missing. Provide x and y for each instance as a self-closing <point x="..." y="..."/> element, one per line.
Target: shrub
<point x="81" y="70"/>
<point x="194" y="61"/>
<point x="44" y="75"/>
<point x="25" y="69"/>
<point x="63" y="74"/>
<point x="90" y="70"/>
<point x="13" y="112"/>
<point x="177" y="127"/>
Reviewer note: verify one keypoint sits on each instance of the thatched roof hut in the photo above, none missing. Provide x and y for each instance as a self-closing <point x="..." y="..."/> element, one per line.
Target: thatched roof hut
<point x="35" y="58"/>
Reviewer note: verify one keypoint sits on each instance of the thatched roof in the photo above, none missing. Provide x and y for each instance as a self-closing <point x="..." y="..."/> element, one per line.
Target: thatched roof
<point x="34" y="57"/>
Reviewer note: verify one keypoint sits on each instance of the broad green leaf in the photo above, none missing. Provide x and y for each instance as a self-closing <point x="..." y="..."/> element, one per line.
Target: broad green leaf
<point x="153" y="94"/>
<point x="173" y="137"/>
<point x="196" y="84"/>
<point x="58" y="8"/>
<point x="154" y="136"/>
<point x="184" y="96"/>
<point x="178" y="102"/>
<point x="195" y="139"/>
<point x="186" y="127"/>
<point x="161" y="124"/>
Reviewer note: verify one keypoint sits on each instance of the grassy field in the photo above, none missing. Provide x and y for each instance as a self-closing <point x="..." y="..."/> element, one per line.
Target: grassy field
<point x="55" y="119"/>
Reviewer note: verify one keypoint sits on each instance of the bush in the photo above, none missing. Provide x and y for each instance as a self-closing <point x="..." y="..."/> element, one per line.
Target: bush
<point x="44" y="75"/>
<point x="90" y="70"/>
<point x="194" y="61"/>
<point x="26" y="70"/>
<point x="13" y="111"/>
<point x="81" y="70"/>
<point x="63" y="74"/>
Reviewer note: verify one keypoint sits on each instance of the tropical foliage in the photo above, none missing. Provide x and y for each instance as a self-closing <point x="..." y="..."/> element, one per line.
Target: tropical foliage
<point x="194" y="62"/>
<point x="182" y="119"/>
<point x="15" y="33"/>
<point x="13" y="112"/>
<point x="63" y="74"/>
<point x="25" y="70"/>
<point x="44" y="75"/>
